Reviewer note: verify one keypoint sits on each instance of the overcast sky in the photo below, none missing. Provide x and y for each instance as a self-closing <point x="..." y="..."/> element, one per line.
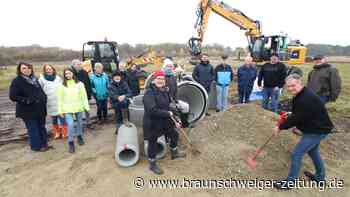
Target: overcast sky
<point x="69" y="23"/>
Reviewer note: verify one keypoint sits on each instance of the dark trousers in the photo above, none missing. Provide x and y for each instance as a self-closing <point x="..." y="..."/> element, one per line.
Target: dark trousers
<point x="324" y="99"/>
<point x="37" y="133"/>
<point x="101" y="109"/>
<point x="244" y="94"/>
<point x="172" y="134"/>
<point x="118" y="106"/>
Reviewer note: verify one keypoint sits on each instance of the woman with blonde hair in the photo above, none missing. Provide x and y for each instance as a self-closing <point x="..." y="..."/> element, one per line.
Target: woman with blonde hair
<point x="50" y="82"/>
<point x="72" y="101"/>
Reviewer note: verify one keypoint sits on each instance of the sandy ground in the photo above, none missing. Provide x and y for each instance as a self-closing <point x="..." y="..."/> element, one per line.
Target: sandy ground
<point x="224" y="140"/>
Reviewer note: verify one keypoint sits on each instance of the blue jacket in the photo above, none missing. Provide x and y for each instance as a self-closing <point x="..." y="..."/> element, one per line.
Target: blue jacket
<point x="204" y="74"/>
<point x="99" y="84"/>
<point x="223" y="75"/>
<point x="246" y="76"/>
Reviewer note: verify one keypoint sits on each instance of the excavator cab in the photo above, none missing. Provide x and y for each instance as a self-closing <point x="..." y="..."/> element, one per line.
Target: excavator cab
<point x="104" y="52"/>
<point x="263" y="47"/>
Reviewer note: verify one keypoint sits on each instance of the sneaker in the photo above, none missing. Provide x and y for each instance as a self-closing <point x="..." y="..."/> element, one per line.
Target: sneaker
<point x="282" y="185"/>
<point x="207" y="114"/>
<point x="217" y="110"/>
<point x="311" y="176"/>
<point x="155" y="168"/>
<point x="80" y="140"/>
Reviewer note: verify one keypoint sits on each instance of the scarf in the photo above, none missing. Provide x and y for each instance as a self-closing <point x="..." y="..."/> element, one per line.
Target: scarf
<point x="31" y="80"/>
<point x="169" y="72"/>
<point x="50" y="77"/>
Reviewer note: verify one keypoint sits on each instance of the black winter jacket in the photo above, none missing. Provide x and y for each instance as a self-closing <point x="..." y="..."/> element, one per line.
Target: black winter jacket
<point x="83" y="76"/>
<point x="156" y="119"/>
<point x="204" y="74"/>
<point x="309" y="114"/>
<point x="171" y="83"/>
<point x="118" y="89"/>
<point x="30" y="100"/>
<point x="324" y="80"/>
<point x="133" y="81"/>
<point x="273" y="75"/>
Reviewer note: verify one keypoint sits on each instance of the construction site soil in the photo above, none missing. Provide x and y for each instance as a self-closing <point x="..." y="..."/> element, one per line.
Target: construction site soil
<point x="225" y="140"/>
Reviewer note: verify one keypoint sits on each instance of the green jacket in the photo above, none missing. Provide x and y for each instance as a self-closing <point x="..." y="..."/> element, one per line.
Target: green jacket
<point x="324" y="80"/>
<point x="73" y="98"/>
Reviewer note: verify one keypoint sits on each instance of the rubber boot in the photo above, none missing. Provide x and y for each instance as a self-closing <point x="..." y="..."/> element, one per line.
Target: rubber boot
<point x="80" y="140"/>
<point x="64" y="130"/>
<point x="125" y="117"/>
<point x="117" y="128"/>
<point x="71" y="147"/>
<point x="176" y="154"/>
<point x="154" y="167"/>
<point x="56" y="131"/>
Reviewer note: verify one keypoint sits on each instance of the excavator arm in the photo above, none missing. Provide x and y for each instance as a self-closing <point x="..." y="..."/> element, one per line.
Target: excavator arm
<point x="205" y="7"/>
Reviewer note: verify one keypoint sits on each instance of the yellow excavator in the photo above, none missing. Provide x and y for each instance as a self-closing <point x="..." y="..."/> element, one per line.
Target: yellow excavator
<point x="260" y="47"/>
<point x="149" y="57"/>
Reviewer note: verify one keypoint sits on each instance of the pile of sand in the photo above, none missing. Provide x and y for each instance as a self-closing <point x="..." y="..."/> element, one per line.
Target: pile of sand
<point x="224" y="139"/>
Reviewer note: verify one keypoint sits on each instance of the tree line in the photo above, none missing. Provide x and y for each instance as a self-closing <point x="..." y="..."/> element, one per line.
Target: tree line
<point x="37" y="53"/>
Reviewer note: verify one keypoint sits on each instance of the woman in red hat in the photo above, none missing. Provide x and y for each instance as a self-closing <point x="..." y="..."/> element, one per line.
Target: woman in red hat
<point x="157" y="120"/>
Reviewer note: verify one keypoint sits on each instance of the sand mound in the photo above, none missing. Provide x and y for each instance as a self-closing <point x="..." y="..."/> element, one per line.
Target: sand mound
<point x="224" y="139"/>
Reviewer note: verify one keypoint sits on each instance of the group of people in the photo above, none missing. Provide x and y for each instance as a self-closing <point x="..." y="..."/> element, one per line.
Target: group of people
<point x="61" y="99"/>
<point x="309" y="114"/>
<point x="68" y="98"/>
<point x="324" y="80"/>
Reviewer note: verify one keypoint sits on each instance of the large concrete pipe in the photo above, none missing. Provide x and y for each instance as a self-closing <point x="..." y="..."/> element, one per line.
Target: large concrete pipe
<point x="136" y="110"/>
<point x="188" y="91"/>
<point x="161" y="147"/>
<point x="197" y="98"/>
<point x="127" y="151"/>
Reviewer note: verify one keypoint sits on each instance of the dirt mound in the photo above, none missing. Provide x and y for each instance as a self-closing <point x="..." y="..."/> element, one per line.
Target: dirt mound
<point x="224" y="139"/>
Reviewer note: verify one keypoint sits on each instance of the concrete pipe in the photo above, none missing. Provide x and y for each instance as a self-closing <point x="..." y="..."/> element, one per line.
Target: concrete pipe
<point x="136" y="110"/>
<point x="161" y="147"/>
<point x="197" y="98"/>
<point x="127" y="151"/>
<point x="189" y="92"/>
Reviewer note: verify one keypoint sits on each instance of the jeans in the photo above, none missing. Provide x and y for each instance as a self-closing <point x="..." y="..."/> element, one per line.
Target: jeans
<point x="37" y="133"/>
<point x="273" y="94"/>
<point x="244" y="94"/>
<point x="70" y="123"/>
<point x="222" y="97"/>
<point x="58" y="120"/>
<point x="310" y="144"/>
<point x="101" y="109"/>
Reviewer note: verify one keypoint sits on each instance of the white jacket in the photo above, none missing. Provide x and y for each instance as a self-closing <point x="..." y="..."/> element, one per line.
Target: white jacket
<point x="50" y="89"/>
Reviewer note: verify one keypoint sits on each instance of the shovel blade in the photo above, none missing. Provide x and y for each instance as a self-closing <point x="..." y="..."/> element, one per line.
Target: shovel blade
<point x="251" y="162"/>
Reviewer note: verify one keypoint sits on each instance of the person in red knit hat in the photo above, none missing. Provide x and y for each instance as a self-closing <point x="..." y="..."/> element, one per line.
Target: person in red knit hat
<point x="157" y="120"/>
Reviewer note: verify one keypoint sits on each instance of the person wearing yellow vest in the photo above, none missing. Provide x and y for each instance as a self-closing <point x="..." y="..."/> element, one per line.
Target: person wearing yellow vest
<point x="72" y="101"/>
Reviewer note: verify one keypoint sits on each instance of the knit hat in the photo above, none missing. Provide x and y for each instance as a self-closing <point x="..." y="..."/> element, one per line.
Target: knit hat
<point x="159" y="74"/>
<point x="116" y="73"/>
<point x="168" y="62"/>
